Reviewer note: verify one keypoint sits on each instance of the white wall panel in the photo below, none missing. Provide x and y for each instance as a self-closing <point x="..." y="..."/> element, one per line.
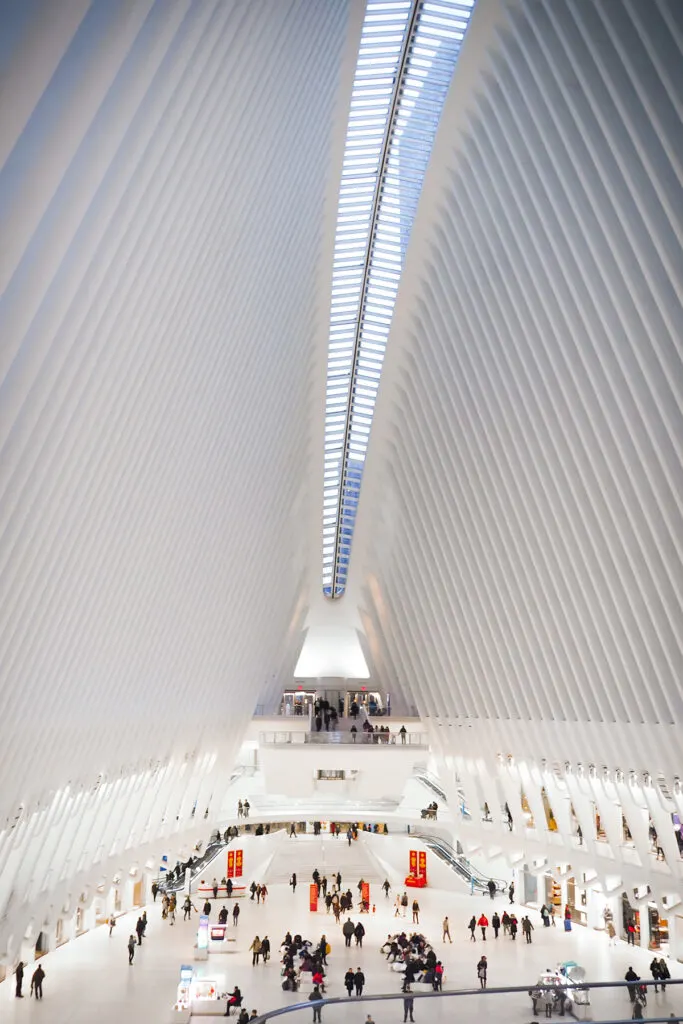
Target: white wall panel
<point x="520" y="534"/>
<point x="163" y="213"/>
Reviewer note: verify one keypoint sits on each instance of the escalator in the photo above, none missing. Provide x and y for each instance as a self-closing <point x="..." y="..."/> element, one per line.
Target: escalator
<point x="431" y="782"/>
<point x="477" y="881"/>
<point x="212" y="850"/>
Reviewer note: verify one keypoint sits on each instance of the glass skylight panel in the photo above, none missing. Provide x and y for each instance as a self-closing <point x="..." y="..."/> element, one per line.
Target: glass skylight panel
<point x="406" y="58"/>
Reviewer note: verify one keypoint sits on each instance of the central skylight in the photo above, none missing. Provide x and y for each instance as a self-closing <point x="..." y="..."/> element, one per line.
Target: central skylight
<point x="407" y="54"/>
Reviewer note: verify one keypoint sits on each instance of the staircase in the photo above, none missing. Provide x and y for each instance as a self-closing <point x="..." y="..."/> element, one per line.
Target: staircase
<point x="305" y="853"/>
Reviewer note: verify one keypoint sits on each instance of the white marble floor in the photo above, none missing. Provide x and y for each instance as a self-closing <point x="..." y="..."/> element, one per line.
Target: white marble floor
<point x="90" y="980"/>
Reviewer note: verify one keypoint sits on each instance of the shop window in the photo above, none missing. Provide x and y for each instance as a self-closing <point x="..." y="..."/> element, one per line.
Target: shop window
<point x="549" y="816"/>
<point x="331" y="776"/>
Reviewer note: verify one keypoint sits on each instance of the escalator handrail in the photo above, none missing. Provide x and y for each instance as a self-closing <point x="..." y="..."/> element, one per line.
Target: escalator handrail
<point x="460" y="864"/>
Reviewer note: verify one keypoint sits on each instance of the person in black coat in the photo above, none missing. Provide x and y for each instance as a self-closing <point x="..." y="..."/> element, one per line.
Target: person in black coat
<point x="359" y="981"/>
<point x="19" y="976"/>
<point x="349" y="981"/>
<point x="359" y="932"/>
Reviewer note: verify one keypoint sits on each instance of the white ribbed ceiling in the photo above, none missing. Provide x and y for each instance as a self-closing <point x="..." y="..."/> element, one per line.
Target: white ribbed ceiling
<point x="522" y="537"/>
<point x="164" y="180"/>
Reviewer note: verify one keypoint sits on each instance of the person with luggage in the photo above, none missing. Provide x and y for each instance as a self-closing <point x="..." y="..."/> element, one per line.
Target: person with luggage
<point x="631" y="979"/>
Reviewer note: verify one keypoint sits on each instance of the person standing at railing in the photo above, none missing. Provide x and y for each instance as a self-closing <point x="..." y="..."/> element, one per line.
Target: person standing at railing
<point x="240" y="809"/>
<point x="316" y="998"/>
<point x="403" y="732"/>
<point x="246" y="805"/>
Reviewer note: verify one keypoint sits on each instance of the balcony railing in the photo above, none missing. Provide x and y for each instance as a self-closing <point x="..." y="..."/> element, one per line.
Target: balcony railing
<point x="416" y="740"/>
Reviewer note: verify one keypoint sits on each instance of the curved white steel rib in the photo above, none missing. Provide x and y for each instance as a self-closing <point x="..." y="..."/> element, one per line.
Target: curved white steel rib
<point x="162" y="212"/>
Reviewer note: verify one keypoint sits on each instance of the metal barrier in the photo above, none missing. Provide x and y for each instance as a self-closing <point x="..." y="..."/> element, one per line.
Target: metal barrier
<point x="344" y="1003"/>
<point x="359" y="739"/>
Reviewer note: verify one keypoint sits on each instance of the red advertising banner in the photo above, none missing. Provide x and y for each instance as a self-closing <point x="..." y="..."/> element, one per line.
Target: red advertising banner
<point x="238" y="863"/>
<point x="231" y="863"/>
<point x="365" y="893"/>
<point x="412" y="870"/>
<point x="313" y="897"/>
<point x="422" y="864"/>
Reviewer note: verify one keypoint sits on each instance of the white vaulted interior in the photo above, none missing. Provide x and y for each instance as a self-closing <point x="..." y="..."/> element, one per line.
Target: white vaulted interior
<point x="341" y="348"/>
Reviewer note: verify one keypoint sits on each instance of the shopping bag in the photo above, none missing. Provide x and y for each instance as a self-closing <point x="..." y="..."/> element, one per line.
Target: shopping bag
<point x="567" y="925"/>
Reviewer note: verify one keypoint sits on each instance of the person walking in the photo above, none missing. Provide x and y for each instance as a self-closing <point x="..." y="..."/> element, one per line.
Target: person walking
<point x="472" y="925"/>
<point x="495" y="924"/>
<point x="316" y="998"/>
<point x="631" y="978"/>
<point x="359" y="981"/>
<point x="527" y="928"/>
<point x="155" y="890"/>
<point x="18" y="980"/>
<point x="397" y="907"/>
<point x="664" y="973"/>
<point x="654" y="970"/>
<point x="612" y="932"/>
<point x="482" y="968"/>
<point x="265" y="949"/>
<point x="492" y="888"/>
<point x="131" y="948"/>
<point x="631" y="932"/>
<point x="511" y="892"/>
<point x="349" y="981"/>
<point x="359" y="932"/>
<point x="386" y="887"/>
<point x="416" y="912"/>
<point x="112" y="923"/>
<point x="505" y="921"/>
<point x="513" y="927"/>
<point x="446" y="929"/>
<point x="292" y="882"/>
<point x="139" y="930"/>
<point x="404" y="903"/>
<point x="255" y="950"/>
<point x="37" y="982"/>
<point x="483" y="923"/>
<point x="348" y="930"/>
<point x="188" y="907"/>
<point x="235" y="914"/>
<point x="292" y="831"/>
<point x="207" y="908"/>
<point x="408" y="1004"/>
